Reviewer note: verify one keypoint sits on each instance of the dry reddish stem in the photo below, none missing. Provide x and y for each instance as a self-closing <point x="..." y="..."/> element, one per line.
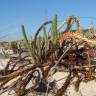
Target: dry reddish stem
<point x="62" y="90"/>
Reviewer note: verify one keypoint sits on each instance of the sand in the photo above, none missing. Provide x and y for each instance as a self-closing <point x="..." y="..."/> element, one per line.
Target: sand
<point x="86" y="89"/>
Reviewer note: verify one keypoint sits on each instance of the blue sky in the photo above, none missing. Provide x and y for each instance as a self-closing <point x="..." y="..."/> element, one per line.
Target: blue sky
<point x="32" y="13"/>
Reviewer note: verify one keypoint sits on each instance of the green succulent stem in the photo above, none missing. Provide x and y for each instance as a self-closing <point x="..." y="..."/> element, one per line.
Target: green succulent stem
<point x="26" y="42"/>
<point x="54" y="30"/>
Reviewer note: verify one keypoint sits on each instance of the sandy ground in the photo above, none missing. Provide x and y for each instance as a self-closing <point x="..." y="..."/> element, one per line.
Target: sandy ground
<point x="86" y="89"/>
<point x="3" y="63"/>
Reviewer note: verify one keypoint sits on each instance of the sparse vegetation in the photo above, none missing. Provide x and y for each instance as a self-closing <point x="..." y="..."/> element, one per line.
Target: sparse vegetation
<point x="43" y="57"/>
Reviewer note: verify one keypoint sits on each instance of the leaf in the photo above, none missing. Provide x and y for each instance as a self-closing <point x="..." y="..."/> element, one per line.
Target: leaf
<point x="39" y="45"/>
<point x="45" y="39"/>
<point x="27" y="45"/>
<point x="54" y="30"/>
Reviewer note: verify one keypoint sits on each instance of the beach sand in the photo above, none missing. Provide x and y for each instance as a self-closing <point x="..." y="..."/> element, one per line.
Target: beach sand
<point x="86" y="89"/>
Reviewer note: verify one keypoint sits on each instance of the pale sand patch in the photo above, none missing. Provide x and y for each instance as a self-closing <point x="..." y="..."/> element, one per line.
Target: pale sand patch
<point x="3" y="63"/>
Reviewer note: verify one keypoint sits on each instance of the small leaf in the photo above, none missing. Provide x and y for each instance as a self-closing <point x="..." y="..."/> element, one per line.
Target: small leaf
<point x="39" y="45"/>
<point x="27" y="45"/>
<point x="45" y="39"/>
<point x="54" y="30"/>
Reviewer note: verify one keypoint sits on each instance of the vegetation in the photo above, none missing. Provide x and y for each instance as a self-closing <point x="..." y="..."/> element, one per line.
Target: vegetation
<point x="45" y="56"/>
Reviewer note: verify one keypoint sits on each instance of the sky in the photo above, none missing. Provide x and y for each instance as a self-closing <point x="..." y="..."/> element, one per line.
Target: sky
<point x="32" y="13"/>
